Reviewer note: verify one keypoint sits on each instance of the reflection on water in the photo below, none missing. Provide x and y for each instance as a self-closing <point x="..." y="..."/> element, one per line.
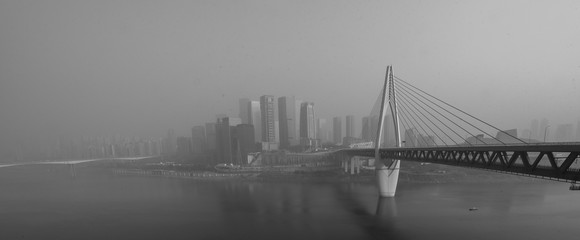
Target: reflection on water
<point x="40" y="203"/>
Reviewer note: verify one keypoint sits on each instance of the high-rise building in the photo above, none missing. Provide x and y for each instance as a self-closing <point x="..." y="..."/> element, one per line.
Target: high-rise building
<point x="183" y="146"/>
<point x="350" y="126"/>
<point x="198" y="140"/>
<point x="170" y="145"/>
<point x="307" y="124"/>
<point x="287" y="121"/>
<point x="244" y="113"/>
<point x="322" y="130"/>
<point x="337" y="130"/>
<point x="268" y="118"/>
<point x="297" y="106"/>
<point x="255" y="119"/>
<point x="226" y="142"/>
<point x="245" y="142"/>
<point x="210" y="136"/>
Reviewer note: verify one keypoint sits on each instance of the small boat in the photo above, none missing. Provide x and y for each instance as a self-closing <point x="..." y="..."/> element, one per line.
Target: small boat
<point x="473" y="209"/>
<point x="574" y="186"/>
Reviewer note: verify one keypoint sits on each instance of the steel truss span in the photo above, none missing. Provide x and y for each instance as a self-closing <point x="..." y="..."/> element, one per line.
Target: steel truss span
<point x="552" y="161"/>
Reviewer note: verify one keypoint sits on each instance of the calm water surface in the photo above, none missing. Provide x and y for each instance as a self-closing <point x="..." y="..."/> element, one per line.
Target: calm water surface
<point x="40" y="203"/>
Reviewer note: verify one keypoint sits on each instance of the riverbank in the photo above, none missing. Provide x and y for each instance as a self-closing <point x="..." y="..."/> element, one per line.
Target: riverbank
<point x="413" y="173"/>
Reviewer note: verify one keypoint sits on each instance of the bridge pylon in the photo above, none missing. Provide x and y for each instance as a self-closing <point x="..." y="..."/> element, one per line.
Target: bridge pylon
<point x="387" y="170"/>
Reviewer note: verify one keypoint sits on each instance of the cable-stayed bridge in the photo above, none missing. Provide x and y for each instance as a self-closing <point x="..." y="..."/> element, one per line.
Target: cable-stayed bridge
<point x="410" y="124"/>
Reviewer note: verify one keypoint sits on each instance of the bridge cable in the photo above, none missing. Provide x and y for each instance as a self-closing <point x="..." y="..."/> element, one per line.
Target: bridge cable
<point x="429" y="119"/>
<point x="408" y="94"/>
<point x="406" y="108"/>
<point x="411" y="124"/>
<point x="413" y="108"/>
<point x="403" y="81"/>
<point x="456" y="117"/>
<point x="411" y="114"/>
<point x="408" y="115"/>
<point x="405" y="125"/>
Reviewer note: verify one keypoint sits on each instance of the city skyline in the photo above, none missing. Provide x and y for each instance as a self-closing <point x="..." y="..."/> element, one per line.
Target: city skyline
<point x="101" y="68"/>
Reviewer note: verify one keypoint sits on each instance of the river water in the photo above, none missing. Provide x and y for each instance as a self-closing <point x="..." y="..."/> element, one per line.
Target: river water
<point x="41" y="203"/>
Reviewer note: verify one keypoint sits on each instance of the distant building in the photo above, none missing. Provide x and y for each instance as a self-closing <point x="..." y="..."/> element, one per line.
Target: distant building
<point x="307" y="125"/>
<point x="198" y="140"/>
<point x="508" y="136"/>
<point x="366" y="129"/>
<point x="226" y="141"/>
<point x="211" y="136"/>
<point x="411" y="138"/>
<point x="350" y="126"/>
<point x="170" y="144"/>
<point x="544" y="132"/>
<point x="287" y="121"/>
<point x="255" y="118"/>
<point x="564" y="133"/>
<point x="244" y="111"/>
<point x="183" y="146"/>
<point x="245" y="142"/>
<point x="322" y="130"/>
<point x="336" y="130"/>
<point x="535" y="130"/>
<point x="426" y="141"/>
<point x="268" y="118"/>
<point x="297" y="106"/>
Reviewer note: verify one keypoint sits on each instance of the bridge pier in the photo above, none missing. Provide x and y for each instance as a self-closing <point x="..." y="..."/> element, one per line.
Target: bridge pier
<point x="387" y="177"/>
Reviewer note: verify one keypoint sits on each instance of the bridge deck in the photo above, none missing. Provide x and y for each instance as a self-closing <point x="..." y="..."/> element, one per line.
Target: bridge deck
<point x="556" y="161"/>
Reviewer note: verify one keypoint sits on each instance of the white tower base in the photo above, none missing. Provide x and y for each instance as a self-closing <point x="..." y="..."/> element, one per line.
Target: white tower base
<point x="387" y="178"/>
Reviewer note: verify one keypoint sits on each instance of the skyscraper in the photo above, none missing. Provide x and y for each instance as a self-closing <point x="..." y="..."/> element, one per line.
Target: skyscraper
<point x="337" y="130"/>
<point x="255" y="118"/>
<point x="245" y="141"/>
<point x="170" y="143"/>
<point x="287" y="121"/>
<point x="322" y="133"/>
<point x="268" y="118"/>
<point x="226" y="141"/>
<point x="198" y="140"/>
<point x="244" y="113"/>
<point x="297" y="106"/>
<point x="210" y="136"/>
<point x="307" y="124"/>
<point x="350" y="126"/>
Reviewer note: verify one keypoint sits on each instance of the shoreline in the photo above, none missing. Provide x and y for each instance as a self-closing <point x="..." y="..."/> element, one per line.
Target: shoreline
<point x="466" y="176"/>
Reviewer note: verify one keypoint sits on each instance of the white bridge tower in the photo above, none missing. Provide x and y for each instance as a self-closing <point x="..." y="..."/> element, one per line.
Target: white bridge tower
<point x="387" y="170"/>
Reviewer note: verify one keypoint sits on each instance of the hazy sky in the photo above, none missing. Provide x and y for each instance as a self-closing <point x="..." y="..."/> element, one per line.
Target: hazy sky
<point x="142" y="67"/>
